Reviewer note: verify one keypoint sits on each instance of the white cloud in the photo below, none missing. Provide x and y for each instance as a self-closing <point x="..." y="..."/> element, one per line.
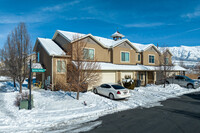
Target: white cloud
<point x="194" y="14"/>
<point x="60" y="7"/>
<point x="79" y="18"/>
<point x="140" y="25"/>
<point x="29" y="18"/>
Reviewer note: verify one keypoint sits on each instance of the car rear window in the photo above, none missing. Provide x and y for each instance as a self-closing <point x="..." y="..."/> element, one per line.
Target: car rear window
<point x="117" y="87"/>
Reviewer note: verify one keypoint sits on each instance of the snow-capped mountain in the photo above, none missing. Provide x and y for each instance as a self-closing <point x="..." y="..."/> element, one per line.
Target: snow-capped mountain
<point x="189" y="56"/>
<point x="186" y="53"/>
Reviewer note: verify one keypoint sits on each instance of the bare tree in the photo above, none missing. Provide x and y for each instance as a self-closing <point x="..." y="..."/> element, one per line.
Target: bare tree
<point x="8" y="58"/>
<point x="15" y="53"/>
<point x="165" y="65"/>
<point x="83" y="70"/>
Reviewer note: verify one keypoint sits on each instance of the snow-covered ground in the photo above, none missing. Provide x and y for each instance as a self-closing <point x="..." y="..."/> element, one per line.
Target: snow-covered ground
<point x="60" y="112"/>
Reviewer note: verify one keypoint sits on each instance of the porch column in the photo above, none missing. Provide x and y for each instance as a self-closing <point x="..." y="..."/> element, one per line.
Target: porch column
<point x="145" y="78"/>
<point x="43" y="78"/>
<point x="155" y="78"/>
<point x="133" y="75"/>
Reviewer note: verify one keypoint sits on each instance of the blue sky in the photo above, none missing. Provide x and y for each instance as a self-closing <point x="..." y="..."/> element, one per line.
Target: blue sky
<point x="166" y="22"/>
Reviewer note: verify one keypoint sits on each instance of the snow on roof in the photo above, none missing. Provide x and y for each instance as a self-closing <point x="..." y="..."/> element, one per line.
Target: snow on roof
<point x="108" y="42"/>
<point x="111" y="66"/>
<point x="70" y="35"/>
<point x="142" y="47"/>
<point x="51" y="47"/>
<point x="37" y="66"/>
<point x="117" y="34"/>
<point x="104" y="41"/>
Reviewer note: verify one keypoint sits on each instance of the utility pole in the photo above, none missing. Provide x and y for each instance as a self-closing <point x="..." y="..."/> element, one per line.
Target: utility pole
<point x="30" y="79"/>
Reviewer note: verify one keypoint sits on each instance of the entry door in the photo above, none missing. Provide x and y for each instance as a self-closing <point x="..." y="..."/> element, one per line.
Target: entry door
<point x="150" y="77"/>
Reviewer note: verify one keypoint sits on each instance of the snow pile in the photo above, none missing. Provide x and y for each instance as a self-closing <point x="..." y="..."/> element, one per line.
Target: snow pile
<point x="61" y="112"/>
<point x="4" y="78"/>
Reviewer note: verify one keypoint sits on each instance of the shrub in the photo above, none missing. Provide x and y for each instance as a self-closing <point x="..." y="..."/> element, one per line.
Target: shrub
<point x="21" y="96"/>
<point x="130" y="84"/>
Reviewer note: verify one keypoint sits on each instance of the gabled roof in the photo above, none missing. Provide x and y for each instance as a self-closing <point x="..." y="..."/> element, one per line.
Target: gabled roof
<point x="164" y="49"/>
<point x="143" y="47"/>
<point x="49" y="46"/>
<point x="104" y="42"/>
<point x="169" y="52"/>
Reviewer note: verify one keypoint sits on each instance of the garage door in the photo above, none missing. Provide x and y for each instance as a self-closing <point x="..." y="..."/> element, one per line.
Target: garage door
<point x="108" y="77"/>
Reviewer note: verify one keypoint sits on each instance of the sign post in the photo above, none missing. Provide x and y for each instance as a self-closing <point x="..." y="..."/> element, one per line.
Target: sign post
<point x="30" y="79"/>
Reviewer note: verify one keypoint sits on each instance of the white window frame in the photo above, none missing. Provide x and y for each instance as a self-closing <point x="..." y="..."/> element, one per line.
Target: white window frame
<point x="138" y="58"/>
<point x="61" y="67"/>
<point x="153" y="56"/>
<point x="121" y="56"/>
<point x="167" y="61"/>
<point x="89" y="48"/>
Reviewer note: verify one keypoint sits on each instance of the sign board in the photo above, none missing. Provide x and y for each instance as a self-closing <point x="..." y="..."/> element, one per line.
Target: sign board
<point x="38" y="70"/>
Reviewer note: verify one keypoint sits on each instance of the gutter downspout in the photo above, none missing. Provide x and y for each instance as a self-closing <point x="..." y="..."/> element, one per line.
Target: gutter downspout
<point x="52" y="85"/>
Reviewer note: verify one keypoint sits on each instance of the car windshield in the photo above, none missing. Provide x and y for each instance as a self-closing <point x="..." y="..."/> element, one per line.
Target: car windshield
<point x="117" y="87"/>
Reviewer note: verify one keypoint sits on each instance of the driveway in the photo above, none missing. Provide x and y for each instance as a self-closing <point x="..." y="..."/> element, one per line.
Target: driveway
<point x="177" y="115"/>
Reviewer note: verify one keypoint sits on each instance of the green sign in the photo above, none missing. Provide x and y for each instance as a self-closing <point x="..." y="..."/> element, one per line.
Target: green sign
<point x="38" y="70"/>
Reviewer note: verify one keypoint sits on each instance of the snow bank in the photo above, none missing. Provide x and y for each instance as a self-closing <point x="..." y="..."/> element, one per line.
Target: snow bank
<point x="61" y="112"/>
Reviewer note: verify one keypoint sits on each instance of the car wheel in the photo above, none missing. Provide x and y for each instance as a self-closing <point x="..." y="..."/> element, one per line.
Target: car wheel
<point x="95" y="91"/>
<point x="111" y="96"/>
<point x="190" y="86"/>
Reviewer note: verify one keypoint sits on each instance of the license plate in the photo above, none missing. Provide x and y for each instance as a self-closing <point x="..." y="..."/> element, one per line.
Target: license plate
<point x="125" y="92"/>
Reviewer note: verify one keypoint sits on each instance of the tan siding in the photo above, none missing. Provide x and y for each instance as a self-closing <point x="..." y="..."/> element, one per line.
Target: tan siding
<point x="117" y="55"/>
<point x="136" y="58"/>
<point x="101" y="54"/>
<point x="146" y="58"/>
<point x="58" y="75"/>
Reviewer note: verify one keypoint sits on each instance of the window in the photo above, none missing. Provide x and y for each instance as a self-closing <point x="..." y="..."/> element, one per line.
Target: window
<point x="61" y="66"/>
<point x="117" y="87"/>
<point x="166" y="61"/>
<point x="151" y="59"/>
<point x="38" y="56"/>
<point x="138" y="57"/>
<point x="105" y="86"/>
<point x="88" y="54"/>
<point x="138" y="76"/>
<point x="125" y="56"/>
<point x="141" y="76"/>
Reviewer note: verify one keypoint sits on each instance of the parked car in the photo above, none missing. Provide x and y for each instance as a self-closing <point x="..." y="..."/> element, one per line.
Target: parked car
<point x="113" y="91"/>
<point x="183" y="81"/>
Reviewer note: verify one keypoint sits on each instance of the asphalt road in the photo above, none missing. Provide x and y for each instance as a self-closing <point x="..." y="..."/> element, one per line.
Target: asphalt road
<point x="178" y="115"/>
